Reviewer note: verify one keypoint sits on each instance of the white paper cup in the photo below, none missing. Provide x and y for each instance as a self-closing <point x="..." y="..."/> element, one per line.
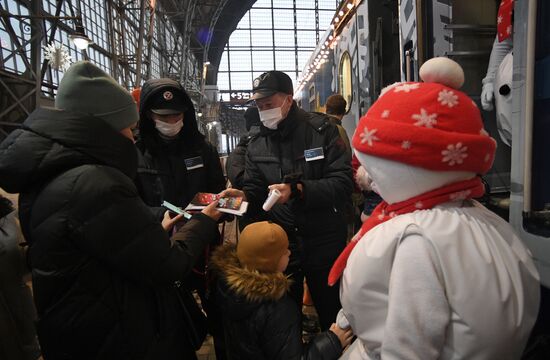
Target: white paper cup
<point x="272" y="198"/>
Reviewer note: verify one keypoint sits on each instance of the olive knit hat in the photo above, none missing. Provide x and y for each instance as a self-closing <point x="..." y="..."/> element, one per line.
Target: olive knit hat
<point x="261" y="246"/>
<point x="88" y="89"/>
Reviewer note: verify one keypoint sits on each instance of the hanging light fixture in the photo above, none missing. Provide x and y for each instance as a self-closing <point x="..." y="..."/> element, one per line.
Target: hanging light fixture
<point x="79" y="37"/>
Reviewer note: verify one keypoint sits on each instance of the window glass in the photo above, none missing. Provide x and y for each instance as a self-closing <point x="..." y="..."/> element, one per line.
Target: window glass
<point x="263" y="60"/>
<point x="240" y="60"/>
<point x="260" y="19"/>
<point x="262" y="38"/>
<point x="285" y="60"/>
<point x="284" y="38"/>
<point x="305" y="19"/>
<point x="267" y="33"/>
<point x="284" y="19"/>
<point x="345" y="79"/>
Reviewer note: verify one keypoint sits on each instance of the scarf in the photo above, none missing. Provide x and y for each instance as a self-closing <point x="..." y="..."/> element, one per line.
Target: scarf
<point x="383" y="212"/>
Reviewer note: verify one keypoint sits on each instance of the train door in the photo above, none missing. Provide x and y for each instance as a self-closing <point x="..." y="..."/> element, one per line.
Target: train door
<point x="365" y="57"/>
<point x="530" y="197"/>
<point x="463" y="31"/>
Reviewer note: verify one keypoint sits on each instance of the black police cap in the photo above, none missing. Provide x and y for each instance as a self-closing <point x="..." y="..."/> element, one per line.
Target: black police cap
<point x="271" y="82"/>
<point x="168" y="101"/>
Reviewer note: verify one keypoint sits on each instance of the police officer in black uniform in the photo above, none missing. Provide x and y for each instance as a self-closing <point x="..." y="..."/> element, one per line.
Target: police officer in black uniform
<point x="303" y="156"/>
<point x="175" y="161"/>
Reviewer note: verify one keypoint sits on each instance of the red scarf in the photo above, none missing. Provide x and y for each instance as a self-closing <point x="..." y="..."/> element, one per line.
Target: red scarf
<point x="383" y="212"/>
<point x="504" y="19"/>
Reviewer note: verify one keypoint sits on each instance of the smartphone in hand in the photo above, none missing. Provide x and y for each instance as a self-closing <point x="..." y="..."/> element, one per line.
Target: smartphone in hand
<point x="176" y="209"/>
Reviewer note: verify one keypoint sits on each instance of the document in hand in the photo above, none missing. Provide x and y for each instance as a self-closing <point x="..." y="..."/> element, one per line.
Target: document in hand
<point x="230" y="205"/>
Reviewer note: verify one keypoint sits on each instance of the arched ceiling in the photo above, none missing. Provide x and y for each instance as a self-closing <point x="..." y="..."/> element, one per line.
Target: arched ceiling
<point x="211" y="24"/>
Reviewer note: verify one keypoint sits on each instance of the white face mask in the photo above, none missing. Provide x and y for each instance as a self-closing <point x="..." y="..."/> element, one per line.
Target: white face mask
<point x="167" y="129"/>
<point x="272" y="117"/>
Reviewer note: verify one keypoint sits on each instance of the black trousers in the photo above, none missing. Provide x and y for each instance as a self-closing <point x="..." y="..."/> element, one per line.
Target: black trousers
<point x="325" y="298"/>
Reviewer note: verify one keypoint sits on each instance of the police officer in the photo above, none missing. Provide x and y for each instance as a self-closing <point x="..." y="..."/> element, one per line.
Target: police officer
<point x="303" y="156"/>
<point x="177" y="161"/>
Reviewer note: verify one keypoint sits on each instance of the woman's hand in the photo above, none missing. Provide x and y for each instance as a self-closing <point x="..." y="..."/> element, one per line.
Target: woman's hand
<point x="344" y="336"/>
<point x="168" y="222"/>
<point x="211" y="211"/>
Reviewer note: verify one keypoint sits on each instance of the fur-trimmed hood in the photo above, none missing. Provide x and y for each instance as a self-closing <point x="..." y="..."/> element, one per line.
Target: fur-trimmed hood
<point x="250" y="285"/>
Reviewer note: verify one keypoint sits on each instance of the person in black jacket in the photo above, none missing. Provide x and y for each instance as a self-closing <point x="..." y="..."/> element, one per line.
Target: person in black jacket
<point x="260" y="320"/>
<point x="176" y="160"/>
<point x="236" y="160"/>
<point x="304" y="157"/>
<point x="103" y="267"/>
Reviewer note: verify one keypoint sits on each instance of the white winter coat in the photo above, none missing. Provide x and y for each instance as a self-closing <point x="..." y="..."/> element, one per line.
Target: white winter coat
<point x="453" y="282"/>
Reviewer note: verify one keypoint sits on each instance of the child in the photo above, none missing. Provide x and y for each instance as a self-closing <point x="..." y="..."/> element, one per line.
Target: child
<point x="260" y="320"/>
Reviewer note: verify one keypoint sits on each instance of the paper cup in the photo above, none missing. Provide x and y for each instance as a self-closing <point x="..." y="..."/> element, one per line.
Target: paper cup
<point x="272" y="198"/>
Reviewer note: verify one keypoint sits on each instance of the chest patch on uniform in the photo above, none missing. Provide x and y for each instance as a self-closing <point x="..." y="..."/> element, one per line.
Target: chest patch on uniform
<point x="314" y="154"/>
<point x="194" y="163"/>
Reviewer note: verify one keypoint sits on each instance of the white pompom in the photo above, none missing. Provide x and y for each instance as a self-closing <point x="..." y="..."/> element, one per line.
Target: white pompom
<point x="444" y="71"/>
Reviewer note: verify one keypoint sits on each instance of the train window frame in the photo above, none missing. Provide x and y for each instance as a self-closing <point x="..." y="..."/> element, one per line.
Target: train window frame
<point x="345" y="58"/>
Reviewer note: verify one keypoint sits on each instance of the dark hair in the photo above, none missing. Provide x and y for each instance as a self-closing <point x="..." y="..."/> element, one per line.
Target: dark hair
<point x="336" y="105"/>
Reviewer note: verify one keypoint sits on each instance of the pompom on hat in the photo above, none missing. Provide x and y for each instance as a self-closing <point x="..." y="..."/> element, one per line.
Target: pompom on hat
<point x="431" y="124"/>
<point x="261" y="246"/>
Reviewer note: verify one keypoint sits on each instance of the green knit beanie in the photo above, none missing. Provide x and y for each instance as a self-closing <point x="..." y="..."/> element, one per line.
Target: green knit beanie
<point x="88" y="89"/>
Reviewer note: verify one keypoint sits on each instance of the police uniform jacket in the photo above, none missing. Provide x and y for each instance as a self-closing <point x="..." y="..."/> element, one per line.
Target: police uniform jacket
<point x="307" y="147"/>
<point x="174" y="170"/>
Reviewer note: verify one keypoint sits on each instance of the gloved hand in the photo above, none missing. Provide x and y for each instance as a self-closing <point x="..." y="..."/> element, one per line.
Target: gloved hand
<point x="487" y="96"/>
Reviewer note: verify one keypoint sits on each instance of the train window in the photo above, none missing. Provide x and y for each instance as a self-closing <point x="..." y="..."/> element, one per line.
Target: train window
<point x="344" y="79"/>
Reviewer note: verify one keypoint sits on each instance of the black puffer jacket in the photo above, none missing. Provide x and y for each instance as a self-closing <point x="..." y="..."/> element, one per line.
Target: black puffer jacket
<point x="162" y="171"/>
<point x="236" y="160"/>
<point x="260" y="320"/>
<point x="318" y="218"/>
<point x="102" y="265"/>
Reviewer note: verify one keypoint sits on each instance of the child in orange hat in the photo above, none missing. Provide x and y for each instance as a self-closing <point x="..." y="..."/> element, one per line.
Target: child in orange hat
<point x="260" y="320"/>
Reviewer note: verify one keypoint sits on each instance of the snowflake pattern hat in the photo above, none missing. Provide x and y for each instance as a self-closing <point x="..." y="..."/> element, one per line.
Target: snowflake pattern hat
<point x="430" y="125"/>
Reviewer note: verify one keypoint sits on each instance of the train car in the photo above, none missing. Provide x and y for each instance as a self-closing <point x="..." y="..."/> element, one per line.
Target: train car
<point x="465" y="31"/>
<point x="356" y="57"/>
<point x="372" y="44"/>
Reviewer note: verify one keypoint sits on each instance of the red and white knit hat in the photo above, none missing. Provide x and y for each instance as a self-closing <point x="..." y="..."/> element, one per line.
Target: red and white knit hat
<point x="430" y="125"/>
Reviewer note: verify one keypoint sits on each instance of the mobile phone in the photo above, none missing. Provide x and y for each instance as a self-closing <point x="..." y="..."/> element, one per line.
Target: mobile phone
<point x="176" y="209"/>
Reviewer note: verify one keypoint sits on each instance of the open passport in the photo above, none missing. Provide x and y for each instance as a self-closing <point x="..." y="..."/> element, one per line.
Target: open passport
<point x="230" y="205"/>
